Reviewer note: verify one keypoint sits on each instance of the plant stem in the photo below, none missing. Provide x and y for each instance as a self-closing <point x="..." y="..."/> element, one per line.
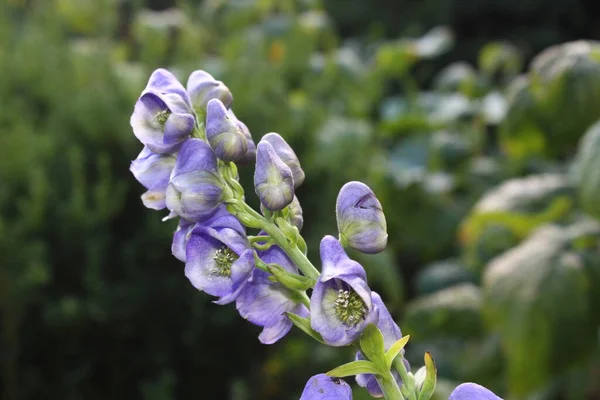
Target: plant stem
<point x="407" y="381"/>
<point x="389" y="387"/>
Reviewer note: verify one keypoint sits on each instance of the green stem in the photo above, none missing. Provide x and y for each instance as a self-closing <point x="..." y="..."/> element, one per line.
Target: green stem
<point x="293" y="252"/>
<point x="407" y="381"/>
<point x="389" y="387"/>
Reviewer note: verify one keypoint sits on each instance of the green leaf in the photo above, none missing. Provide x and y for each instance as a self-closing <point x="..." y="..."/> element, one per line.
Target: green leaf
<point x="430" y="378"/>
<point x="373" y="347"/>
<point x="538" y="297"/>
<point x="304" y="325"/>
<point x="354" y="368"/>
<point x="586" y="171"/>
<point x="395" y="349"/>
<point x="289" y="280"/>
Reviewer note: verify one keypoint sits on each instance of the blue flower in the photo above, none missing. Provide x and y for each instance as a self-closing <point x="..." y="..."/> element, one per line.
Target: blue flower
<point x="219" y="260"/>
<point x="341" y="305"/>
<point x="472" y="391"/>
<point x="153" y="171"/>
<point x="360" y="219"/>
<point x="220" y="219"/>
<point x="323" y="387"/>
<point x="195" y="188"/>
<point x="162" y="118"/>
<point x="391" y="333"/>
<point x="264" y="302"/>
<point x="273" y="181"/>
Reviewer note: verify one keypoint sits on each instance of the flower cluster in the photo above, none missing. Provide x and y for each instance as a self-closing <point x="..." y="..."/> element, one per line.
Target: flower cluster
<point x="192" y="140"/>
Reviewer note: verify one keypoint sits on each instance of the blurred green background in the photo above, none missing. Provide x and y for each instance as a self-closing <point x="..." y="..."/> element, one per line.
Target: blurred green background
<point x="473" y="121"/>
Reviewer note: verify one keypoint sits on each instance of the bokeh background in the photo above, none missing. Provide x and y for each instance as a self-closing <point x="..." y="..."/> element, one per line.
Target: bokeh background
<point x="472" y="120"/>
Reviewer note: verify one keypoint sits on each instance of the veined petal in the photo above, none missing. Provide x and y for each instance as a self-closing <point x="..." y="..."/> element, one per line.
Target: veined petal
<point x="287" y="155"/>
<point x="165" y="82"/>
<point x="154" y="200"/>
<point x="223" y="132"/>
<point x="472" y="391"/>
<point x="153" y="170"/>
<point x="273" y="181"/>
<point x="323" y="387"/>
<point x="203" y="87"/>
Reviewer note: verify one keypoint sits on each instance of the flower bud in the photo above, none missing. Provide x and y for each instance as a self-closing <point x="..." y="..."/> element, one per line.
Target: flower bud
<point x="250" y="155"/>
<point x="202" y="88"/>
<point x="224" y="133"/>
<point x="195" y="189"/>
<point x="295" y="215"/>
<point x="287" y="155"/>
<point x="273" y="180"/>
<point x="360" y="219"/>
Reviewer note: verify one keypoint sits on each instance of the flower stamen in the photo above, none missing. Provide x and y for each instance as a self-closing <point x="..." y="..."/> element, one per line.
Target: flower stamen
<point x="224" y="258"/>
<point x="349" y="307"/>
<point x="162" y="116"/>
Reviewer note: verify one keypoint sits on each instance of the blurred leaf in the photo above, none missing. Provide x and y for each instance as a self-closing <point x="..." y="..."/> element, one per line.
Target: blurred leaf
<point x="452" y="311"/>
<point x="586" y="171"/>
<point x="537" y="298"/>
<point x="441" y="275"/>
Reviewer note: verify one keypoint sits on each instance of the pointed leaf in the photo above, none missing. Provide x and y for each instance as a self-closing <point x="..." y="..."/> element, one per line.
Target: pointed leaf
<point x="354" y="368"/>
<point x="395" y="349"/>
<point x="373" y="347"/>
<point x="304" y="325"/>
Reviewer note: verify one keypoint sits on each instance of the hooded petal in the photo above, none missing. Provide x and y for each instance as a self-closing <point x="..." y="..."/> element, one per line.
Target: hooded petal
<point x="202" y="88"/>
<point x="165" y="82"/>
<point x="472" y="391"/>
<point x="323" y="387"/>
<point x="180" y="239"/>
<point x="273" y="181"/>
<point x="360" y="218"/>
<point x="153" y="170"/>
<point x="287" y="155"/>
<point x="154" y="200"/>
<point x="224" y="133"/>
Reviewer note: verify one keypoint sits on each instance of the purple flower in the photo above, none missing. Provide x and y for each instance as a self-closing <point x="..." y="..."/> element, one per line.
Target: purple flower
<point x="341" y="305"/>
<point x="161" y="122"/>
<point x="323" y="387"/>
<point x="360" y="219"/>
<point x="273" y="181"/>
<point x="391" y="333"/>
<point x="220" y="219"/>
<point x="264" y="303"/>
<point x="195" y="190"/>
<point x="202" y="88"/>
<point x="219" y="261"/>
<point x="287" y="155"/>
<point x="224" y="133"/>
<point x="162" y="118"/>
<point x="472" y="391"/>
<point x="153" y="171"/>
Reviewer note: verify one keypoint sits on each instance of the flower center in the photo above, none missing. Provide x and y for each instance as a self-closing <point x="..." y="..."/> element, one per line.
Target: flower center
<point x="349" y="307"/>
<point x="162" y="116"/>
<point x="224" y="258"/>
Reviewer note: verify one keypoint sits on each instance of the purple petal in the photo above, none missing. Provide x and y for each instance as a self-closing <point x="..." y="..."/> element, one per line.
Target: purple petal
<point x="198" y="200"/>
<point x="273" y="181"/>
<point x="323" y="387"/>
<point x="154" y="200"/>
<point x="279" y="325"/>
<point x="180" y="239"/>
<point x="241" y="271"/>
<point x="472" y="391"/>
<point x="250" y="155"/>
<point x="202" y="87"/>
<point x="177" y="128"/>
<point x="360" y="218"/>
<point x="223" y="132"/>
<point x="195" y="155"/>
<point x="153" y="170"/>
<point x="165" y="82"/>
<point x="287" y="155"/>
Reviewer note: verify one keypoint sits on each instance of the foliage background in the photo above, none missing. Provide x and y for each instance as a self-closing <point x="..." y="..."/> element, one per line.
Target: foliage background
<point x="493" y="261"/>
